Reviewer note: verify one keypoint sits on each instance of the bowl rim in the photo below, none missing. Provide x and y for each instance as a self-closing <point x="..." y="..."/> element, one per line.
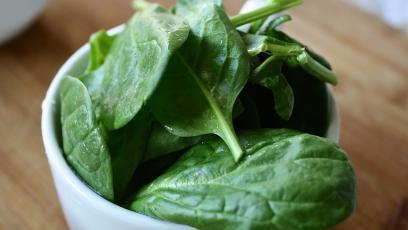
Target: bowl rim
<point x="58" y="163"/>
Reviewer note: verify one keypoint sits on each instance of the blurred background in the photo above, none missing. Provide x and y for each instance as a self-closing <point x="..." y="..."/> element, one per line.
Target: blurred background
<point x="365" y="40"/>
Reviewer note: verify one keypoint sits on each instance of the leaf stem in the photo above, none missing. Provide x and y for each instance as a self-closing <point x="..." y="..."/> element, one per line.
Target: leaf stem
<point x="226" y="131"/>
<point x="273" y="7"/>
<point x="316" y="69"/>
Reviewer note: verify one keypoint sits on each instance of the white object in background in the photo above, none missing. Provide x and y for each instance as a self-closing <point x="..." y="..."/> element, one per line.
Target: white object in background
<point x="393" y="12"/>
<point x="83" y="208"/>
<point x="16" y="15"/>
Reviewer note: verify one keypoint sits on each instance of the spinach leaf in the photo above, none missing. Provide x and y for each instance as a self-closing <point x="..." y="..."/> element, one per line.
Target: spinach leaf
<point x="100" y="44"/>
<point x="202" y="81"/>
<point x="310" y="112"/>
<point x="83" y="140"/>
<point x="249" y="118"/>
<point x="93" y="81"/>
<point x="273" y="32"/>
<point x="283" y="94"/>
<point x="287" y="180"/>
<point x="257" y="44"/>
<point x="127" y="147"/>
<point x="147" y="172"/>
<point x="260" y="26"/>
<point x="269" y="74"/>
<point x="277" y="22"/>
<point x="162" y="142"/>
<point x="291" y="52"/>
<point x="136" y="63"/>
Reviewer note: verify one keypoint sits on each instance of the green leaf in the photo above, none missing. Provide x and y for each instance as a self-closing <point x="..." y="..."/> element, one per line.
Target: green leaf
<point x="309" y="64"/>
<point x="136" y="63"/>
<point x="197" y="93"/>
<point x="83" y="141"/>
<point x="257" y="44"/>
<point x="290" y="52"/>
<point x="249" y="118"/>
<point x="287" y="180"/>
<point x="269" y="75"/>
<point x="283" y="94"/>
<point x="127" y="146"/>
<point x="162" y="142"/>
<point x="100" y="44"/>
<point x="262" y="25"/>
<point x="273" y="24"/>
<point x="93" y="81"/>
<point x="310" y="112"/>
<point x="280" y="35"/>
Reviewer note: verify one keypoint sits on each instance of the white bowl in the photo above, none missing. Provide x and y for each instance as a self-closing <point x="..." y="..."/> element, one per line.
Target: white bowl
<point x="16" y="15"/>
<point x="83" y="208"/>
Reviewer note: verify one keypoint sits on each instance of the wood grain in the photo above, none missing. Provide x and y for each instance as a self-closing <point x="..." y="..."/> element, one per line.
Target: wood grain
<point x="371" y="59"/>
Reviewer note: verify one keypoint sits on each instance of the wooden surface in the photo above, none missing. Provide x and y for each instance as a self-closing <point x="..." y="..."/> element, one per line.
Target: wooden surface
<point x="371" y="59"/>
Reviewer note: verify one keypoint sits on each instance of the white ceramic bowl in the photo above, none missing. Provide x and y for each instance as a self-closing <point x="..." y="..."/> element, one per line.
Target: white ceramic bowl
<point x="83" y="208"/>
<point x="16" y="15"/>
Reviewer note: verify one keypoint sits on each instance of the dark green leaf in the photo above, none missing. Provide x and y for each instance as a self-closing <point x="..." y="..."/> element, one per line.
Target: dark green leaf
<point x="284" y="37"/>
<point x="83" y="140"/>
<point x="249" y="118"/>
<point x="269" y="74"/>
<point x="282" y="93"/>
<point x="203" y="80"/>
<point x="310" y="112"/>
<point x="147" y="172"/>
<point x="162" y="142"/>
<point x="287" y="180"/>
<point x="136" y="63"/>
<point x="257" y="44"/>
<point x="292" y="53"/>
<point x="127" y="146"/>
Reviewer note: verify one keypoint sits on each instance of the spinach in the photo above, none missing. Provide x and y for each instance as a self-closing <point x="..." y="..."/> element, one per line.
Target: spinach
<point x="147" y="172"/>
<point x="310" y="112"/>
<point x="161" y="142"/>
<point x="127" y="148"/>
<point x="249" y="118"/>
<point x="269" y="75"/>
<point x="290" y="52"/>
<point x="197" y="94"/>
<point x="273" y="32"/>
<point x="136" y="63"/>
<point x="83" y="141"/>
<point x="126" y="145"/>
<point x="273" y="24"/>
<point x="286" y="180"/>
<point x="100" y="44"/>
<point x="138" y="125"/>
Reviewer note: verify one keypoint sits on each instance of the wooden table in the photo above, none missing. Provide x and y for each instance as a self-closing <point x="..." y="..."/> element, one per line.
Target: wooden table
<point x="371" y="59"/>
